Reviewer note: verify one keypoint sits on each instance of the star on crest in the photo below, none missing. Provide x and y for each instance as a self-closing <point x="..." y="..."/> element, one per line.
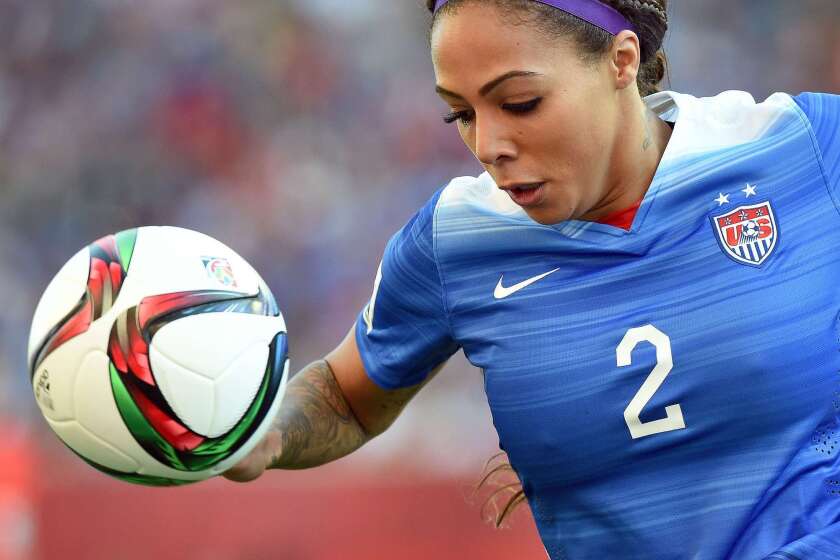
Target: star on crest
<point x="749" y="191"/>
<point x="722" y="199"/>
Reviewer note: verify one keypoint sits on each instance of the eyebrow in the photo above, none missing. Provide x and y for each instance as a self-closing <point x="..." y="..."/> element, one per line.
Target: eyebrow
<point x="492" y="84"/>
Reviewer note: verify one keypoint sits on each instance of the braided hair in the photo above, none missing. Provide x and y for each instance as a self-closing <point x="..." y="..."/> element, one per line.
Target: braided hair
<point x="649" y="17"/>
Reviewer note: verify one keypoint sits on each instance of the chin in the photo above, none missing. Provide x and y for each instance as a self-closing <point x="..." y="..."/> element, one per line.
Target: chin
<point x="547" y="216"/>
<point x="556" y="207"/>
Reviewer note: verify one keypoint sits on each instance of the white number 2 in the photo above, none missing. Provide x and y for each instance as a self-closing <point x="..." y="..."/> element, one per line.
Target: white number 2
<point x="664" y="363"/>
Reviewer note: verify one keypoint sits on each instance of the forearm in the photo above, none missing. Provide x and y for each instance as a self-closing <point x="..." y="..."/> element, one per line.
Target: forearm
<point x="315" y="424"/>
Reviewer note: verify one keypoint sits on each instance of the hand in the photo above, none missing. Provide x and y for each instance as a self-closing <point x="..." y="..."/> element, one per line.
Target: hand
<point x="255" y="463"/>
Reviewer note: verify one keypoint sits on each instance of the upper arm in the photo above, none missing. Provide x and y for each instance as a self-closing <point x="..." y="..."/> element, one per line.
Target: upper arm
<point x="404" y="333"/>
<point x="402" y="337"/>
<point x="374" y="407"/>
<point x="823" y="112"/>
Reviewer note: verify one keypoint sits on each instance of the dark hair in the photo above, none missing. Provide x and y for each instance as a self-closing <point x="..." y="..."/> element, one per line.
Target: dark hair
<point x="506" y="493"/>
<point x="649" y="17"/>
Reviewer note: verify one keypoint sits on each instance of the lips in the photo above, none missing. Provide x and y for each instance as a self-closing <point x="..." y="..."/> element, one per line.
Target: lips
<point x="525" y="194"/>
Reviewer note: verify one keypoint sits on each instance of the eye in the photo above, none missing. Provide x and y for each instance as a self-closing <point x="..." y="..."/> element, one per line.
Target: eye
<point x="526" y="107"/>
<point x="464" y="116"/>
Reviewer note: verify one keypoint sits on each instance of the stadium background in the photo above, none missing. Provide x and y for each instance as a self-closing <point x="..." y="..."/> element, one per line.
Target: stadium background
<point x="303" y="133"/>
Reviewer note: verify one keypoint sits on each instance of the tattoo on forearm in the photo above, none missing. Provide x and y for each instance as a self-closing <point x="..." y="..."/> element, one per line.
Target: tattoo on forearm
<point x="315" y="423"/>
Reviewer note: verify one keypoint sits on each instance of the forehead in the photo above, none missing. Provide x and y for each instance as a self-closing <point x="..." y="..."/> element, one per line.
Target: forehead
<point x="475" y="43"/>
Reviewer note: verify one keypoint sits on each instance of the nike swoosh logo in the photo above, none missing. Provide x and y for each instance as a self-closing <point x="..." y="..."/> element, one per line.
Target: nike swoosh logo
<point x="501" y="292"/>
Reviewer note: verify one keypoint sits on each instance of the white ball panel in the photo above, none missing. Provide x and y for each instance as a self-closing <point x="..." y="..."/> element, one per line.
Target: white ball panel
<point x="208" y="343"/>
<point x="237" y="386"/>
<point x="61" y="296"/>
<point x="189" y="395"/>
<point x="94" y="404"/>
<point x="168" y="260"/>
<point x="260" y="432"/>
<point x="55" y="379"/>
<point x="92" y="447"/>
<point x="97" y="413"/>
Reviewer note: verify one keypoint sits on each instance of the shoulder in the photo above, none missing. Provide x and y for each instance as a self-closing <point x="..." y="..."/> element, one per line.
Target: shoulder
<point x="458" y="192"/>
<point x="461" y="200"/>
<point x="818" y="105"/>
<point x="465" y="204"/>
<point x="475" y="200"/>
<point x="728" y="107"/>
<point x="802" y="131"/>
<point x="463" y="220"/>
<point x="822" y="110"/>
<point x="736" y="112"/>
<point x="725" y="121"/>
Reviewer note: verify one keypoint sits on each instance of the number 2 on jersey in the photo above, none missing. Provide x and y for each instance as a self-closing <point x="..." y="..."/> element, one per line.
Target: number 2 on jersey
<point x="664" y="363"/>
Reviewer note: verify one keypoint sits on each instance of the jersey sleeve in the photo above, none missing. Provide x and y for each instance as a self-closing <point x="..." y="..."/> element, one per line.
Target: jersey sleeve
<point x="403" y="333"/>
<point x="823" y="112"/>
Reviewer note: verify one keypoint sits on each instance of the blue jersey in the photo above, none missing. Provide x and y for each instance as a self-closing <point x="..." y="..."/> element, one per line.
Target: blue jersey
<point x="667" y="392"/>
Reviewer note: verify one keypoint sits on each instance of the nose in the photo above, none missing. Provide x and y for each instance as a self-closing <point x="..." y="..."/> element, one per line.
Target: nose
<point x="492" y="143"/>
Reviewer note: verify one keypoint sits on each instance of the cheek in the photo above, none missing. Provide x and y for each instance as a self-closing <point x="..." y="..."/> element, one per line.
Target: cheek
<point x="571" y="151"/>
<point x="561" y="123"/>
<point x="467" y="137"/>
<point x="562" y="144"/>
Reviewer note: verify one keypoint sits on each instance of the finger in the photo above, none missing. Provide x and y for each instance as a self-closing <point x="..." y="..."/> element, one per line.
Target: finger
<point x="245" y="471"/>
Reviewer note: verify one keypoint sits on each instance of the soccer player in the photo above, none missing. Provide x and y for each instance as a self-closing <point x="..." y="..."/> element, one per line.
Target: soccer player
<point x="647" y="280"/>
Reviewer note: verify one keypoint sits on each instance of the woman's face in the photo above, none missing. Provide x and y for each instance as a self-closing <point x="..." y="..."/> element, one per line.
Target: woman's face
<point x="530" y="110"/>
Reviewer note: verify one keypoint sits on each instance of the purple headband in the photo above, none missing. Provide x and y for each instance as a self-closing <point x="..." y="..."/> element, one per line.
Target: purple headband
<point x="593" y="11"/>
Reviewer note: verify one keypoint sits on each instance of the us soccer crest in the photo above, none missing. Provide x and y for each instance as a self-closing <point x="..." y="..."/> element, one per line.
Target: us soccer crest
<point x="219" y="270"/>
<point x="747" y="234"/>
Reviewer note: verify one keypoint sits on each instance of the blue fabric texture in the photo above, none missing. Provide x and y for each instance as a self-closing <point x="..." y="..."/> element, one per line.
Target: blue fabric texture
<point x="411" y="335"/>
<point x="823" y="113"/>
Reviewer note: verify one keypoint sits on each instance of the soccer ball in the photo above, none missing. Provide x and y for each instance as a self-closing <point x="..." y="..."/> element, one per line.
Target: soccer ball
<point x="749" y="231"/>
<point x="158" y="355"/>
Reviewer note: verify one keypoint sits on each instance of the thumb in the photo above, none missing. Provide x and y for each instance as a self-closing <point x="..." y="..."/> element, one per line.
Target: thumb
<point x="252" y="466"/>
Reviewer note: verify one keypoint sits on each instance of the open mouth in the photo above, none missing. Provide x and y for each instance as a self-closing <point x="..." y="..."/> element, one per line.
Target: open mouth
<point x="527" y="195"/>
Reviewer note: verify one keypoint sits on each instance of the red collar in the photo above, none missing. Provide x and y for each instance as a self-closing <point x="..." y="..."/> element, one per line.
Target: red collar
<point x="623" y="218"/>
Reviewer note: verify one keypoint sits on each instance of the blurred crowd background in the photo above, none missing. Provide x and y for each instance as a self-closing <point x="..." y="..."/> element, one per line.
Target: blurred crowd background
<point x="302" y="133"/>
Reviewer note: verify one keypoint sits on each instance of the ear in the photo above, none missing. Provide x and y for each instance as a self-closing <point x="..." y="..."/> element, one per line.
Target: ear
<point x="626" y="56"/>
